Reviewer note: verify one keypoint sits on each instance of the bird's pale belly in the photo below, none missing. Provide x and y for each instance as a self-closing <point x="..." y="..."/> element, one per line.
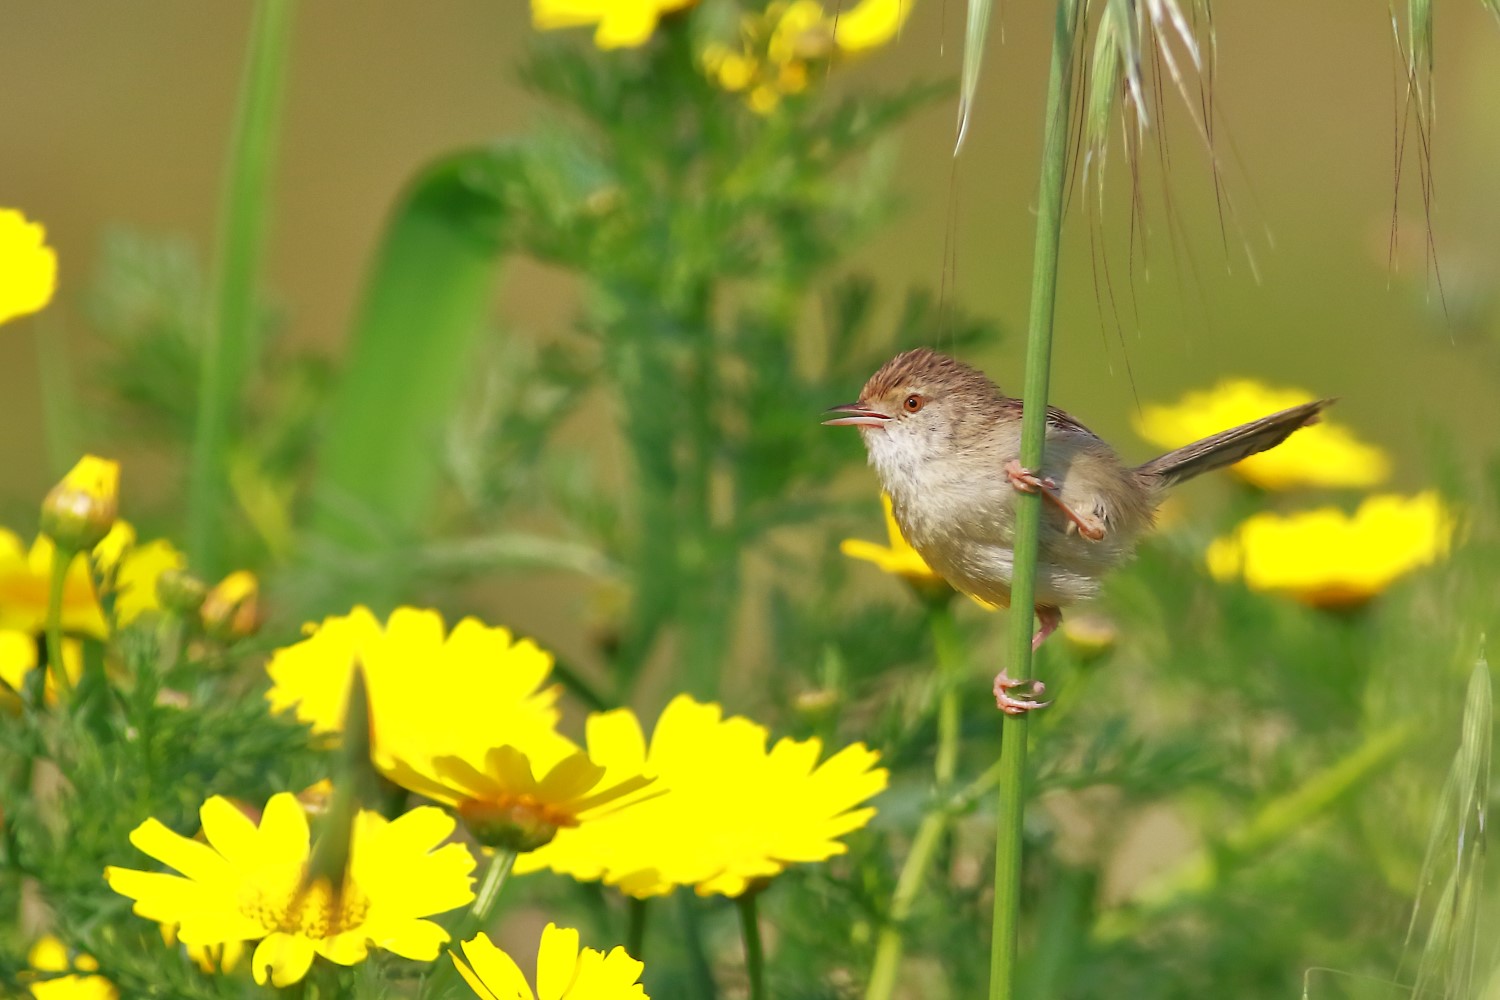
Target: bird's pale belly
<point x="984" y="570"/>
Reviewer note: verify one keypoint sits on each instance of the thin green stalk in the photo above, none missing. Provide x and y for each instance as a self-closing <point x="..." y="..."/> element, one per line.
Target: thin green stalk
<point x="472" y="922"/>
<point x="930" y="831"/>
<point x="59" y="402"/>
<point x="489" y="891"/>
<point x="1004" y="934"/>
<point x="891" y="942"/>
<point x="755" y="959"/>
<point x="230" y="335"/>
<point x="62" y="557"/>
<point x="635" y="927"/>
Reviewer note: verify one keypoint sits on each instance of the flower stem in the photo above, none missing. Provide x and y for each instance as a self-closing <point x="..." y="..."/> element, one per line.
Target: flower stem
<point x="891" y="941"/>
<point x="230" y="333"/>
<point x="489" y="891"/>
<point x="1003" y="940"/>
<point x="755" y="960"/>
<point x="62" y="558"/>
<point x="635" y="927"/>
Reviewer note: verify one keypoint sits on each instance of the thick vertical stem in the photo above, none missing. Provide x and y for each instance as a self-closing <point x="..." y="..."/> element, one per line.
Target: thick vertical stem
<point x="230" y="334"/>
<point x="755" y="959"/>
<point x="1003" y="941"/>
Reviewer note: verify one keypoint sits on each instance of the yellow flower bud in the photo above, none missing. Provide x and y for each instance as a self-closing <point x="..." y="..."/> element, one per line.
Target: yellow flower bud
<point x="79" y="511"/>
<point x="180" y="591"/>
<point x="232" y="608"/>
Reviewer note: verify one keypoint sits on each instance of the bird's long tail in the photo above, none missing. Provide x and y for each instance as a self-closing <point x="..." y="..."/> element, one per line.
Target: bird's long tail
<point x="1228" y="447"/>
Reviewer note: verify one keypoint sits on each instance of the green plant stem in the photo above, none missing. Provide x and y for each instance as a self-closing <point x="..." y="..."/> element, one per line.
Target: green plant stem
<point x="489" y="891"/>
<point x="891" y="941"/>
<point x="230" y="334"/>
<point x="62" y="558"/>
<point x="1004" y="933"/>
<point x="478" y="916"/>
<point x="635" y="927"/>
<point x="755" y="959"/>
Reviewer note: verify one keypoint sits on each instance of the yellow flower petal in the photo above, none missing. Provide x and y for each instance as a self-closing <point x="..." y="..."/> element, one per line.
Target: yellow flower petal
<point x="494" y="974"/>
<point x="28" y="267"/>
<point x="725" y="810"/>
<point x="564" y="972"/>
<point x="282" y="959"/>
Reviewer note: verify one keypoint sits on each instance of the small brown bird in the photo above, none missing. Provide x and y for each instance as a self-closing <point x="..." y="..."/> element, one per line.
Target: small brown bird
<point x="946" y="443"/>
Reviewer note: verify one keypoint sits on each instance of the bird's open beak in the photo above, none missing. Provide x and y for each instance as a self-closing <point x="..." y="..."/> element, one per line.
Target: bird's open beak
<point x="856" y="415"/>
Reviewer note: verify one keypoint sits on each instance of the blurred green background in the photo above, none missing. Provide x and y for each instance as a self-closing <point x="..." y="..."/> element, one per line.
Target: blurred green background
<point x="120" y="116"/>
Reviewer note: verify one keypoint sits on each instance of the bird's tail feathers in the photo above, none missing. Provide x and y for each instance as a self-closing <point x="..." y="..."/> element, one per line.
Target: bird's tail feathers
<point x="1228" y="447"/>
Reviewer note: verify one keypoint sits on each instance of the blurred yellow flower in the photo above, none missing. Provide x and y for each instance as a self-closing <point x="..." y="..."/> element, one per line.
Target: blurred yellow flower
<point x="777" y="45"/>
<point x="51" y="955"/>
<point x="1324" y="454"/>
<point x="898" y="558"/>
<point x="28" y="267"/>
<point x="563" y="972"/>
<point x="621" y="23"/>
<point x="80" y="510"/>
<point x="245" y="884"/>
<point x="730" y="811"/>
<point x="1327" y="558"/>
<point x="25" y="573"/>
<point x="19" y="656"/>
<point x="231" y="609"/>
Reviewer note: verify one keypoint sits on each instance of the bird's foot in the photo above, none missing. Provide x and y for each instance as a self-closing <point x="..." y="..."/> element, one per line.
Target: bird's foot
<point x="1027" y="481"/>
<point x="1049" y="618"/>
<point x="1011" y="705"/>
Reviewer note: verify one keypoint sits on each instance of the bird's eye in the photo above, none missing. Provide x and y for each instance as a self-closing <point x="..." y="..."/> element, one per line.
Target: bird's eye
<point x="913" y="403"/>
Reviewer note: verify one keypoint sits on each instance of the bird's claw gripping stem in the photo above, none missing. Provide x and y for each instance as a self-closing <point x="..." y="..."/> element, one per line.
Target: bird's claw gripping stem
<point x="1010" y="705"/>
<point x="1027" y="481"/>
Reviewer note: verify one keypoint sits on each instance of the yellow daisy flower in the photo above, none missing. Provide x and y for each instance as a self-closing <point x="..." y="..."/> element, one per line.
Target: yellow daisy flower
<point x="1327" y="558"/>
<point x="471" y="684"/>
<point x="245" y="884"/>
<point x="563" y="972"/>
<point x="621" y="23"/>
<point x="462" y="719"/>
<point x="730" y="812"/>
<point x="28" y="267"/>
<point x="51" y="955"/>
<point x="25" y="575"/>
<point x="1324" y="454"/>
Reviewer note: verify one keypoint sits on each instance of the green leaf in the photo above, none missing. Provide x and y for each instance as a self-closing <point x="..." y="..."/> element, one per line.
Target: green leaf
<point x="412" y="349"/>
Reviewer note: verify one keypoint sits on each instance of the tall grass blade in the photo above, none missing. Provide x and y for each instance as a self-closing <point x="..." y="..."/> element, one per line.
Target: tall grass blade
<point x="1455" y="854"/>
<point x="976" y="27"/>
<point x="231" y="335"/>
<point x="411" y="350"/>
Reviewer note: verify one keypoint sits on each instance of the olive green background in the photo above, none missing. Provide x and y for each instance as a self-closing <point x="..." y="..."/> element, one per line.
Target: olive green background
<point x="116" y="114"/>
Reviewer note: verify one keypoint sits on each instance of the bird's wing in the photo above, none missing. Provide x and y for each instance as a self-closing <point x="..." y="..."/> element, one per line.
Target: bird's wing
<point x="1056" y="419"/>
